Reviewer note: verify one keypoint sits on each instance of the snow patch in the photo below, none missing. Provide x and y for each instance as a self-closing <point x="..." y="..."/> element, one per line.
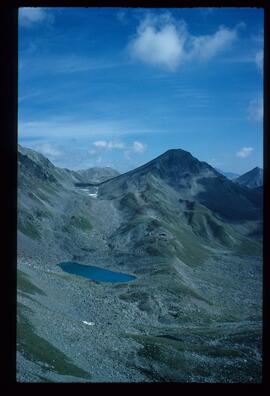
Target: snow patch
<point x="94" y="194"/>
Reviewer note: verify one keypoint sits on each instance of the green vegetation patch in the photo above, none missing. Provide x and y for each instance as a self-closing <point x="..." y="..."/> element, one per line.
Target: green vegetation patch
<point x="188" y="291"/>
<point x="43" y="196"/>
<point x="185" y="358"/>
<point x="50" y="189"/>
<point x="26" y="286"/>
<point x="80" y="222"/>
<point x="43" y="214"/>
<point x="130" y="202"/>
<point x="192" y="253"/>
<point x="250" y="247"/>
<point x="28" y="228"/>
<point x="40" y="351"/>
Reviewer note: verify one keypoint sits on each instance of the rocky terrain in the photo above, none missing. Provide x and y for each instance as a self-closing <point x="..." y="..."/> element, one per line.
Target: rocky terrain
<point x="192" y="238"/>
<point x="97" y="175"/>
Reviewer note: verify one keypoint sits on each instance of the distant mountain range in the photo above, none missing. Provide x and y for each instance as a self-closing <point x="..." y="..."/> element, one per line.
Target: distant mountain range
<point x="229" y="175"/>
<point x="190" y="236"/>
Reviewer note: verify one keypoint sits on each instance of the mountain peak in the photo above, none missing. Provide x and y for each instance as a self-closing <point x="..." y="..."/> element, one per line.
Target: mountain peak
<point x="176" y="153"/>
<point x="257" y="169"/>
<point x="177" y="162"/>
<point x="176" y="168"/>
<point x="252" y="178"/>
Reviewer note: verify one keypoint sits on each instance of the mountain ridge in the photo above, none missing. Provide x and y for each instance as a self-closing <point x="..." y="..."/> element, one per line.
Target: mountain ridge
<point x="181" y="171"/>
<point x="194" y="267"/>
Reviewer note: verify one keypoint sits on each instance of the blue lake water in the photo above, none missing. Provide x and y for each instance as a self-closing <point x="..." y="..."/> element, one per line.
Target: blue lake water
<point x="95" y="273"/>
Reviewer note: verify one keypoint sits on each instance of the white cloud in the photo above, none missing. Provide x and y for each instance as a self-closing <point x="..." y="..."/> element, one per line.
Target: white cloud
<point x="109" y="145"/>
<point x="160" y="40"/>
<point x="67" y="127"/>
<point x="138" y="147"/>
<point x="259" y="60"/>
<point x="100" y="143"/>
<point x="61" y="64"/>
<point x="162" y="47"/>
<point x="48" y="149"/>
<point x="206" y="47"/>
<point x="255" y="110"/>
<point x="31" y="15"/>
<point x="29" y="96"/>
<point x="244" y="152"/>
<point x="118" y="146"/>
<point x="127" y="155"/>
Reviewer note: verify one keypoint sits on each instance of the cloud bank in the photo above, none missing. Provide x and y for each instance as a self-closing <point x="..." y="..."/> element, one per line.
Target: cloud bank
<point x="29" y="16"/>
<point x="259" y="60"/>
<point x="48" y="149"/>
<point x="244" y="152"/>
<point x="255" y="110"/>
<point x="108" y="145"/>
<point x="136" y="147"/>
<point x="162" y="41"/>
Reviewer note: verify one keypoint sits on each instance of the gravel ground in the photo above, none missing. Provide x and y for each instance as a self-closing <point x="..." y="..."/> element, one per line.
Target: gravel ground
<point x="120" y="346"/>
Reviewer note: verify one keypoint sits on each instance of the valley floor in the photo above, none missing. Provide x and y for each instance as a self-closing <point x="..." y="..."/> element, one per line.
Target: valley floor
<point x="205" y="327"/>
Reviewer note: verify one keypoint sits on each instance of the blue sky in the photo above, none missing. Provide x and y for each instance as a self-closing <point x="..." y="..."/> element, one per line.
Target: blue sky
<point x="119" y="86"/>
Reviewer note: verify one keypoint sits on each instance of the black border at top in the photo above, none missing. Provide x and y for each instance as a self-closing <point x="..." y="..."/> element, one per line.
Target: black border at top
<point x="141" y="3"/>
